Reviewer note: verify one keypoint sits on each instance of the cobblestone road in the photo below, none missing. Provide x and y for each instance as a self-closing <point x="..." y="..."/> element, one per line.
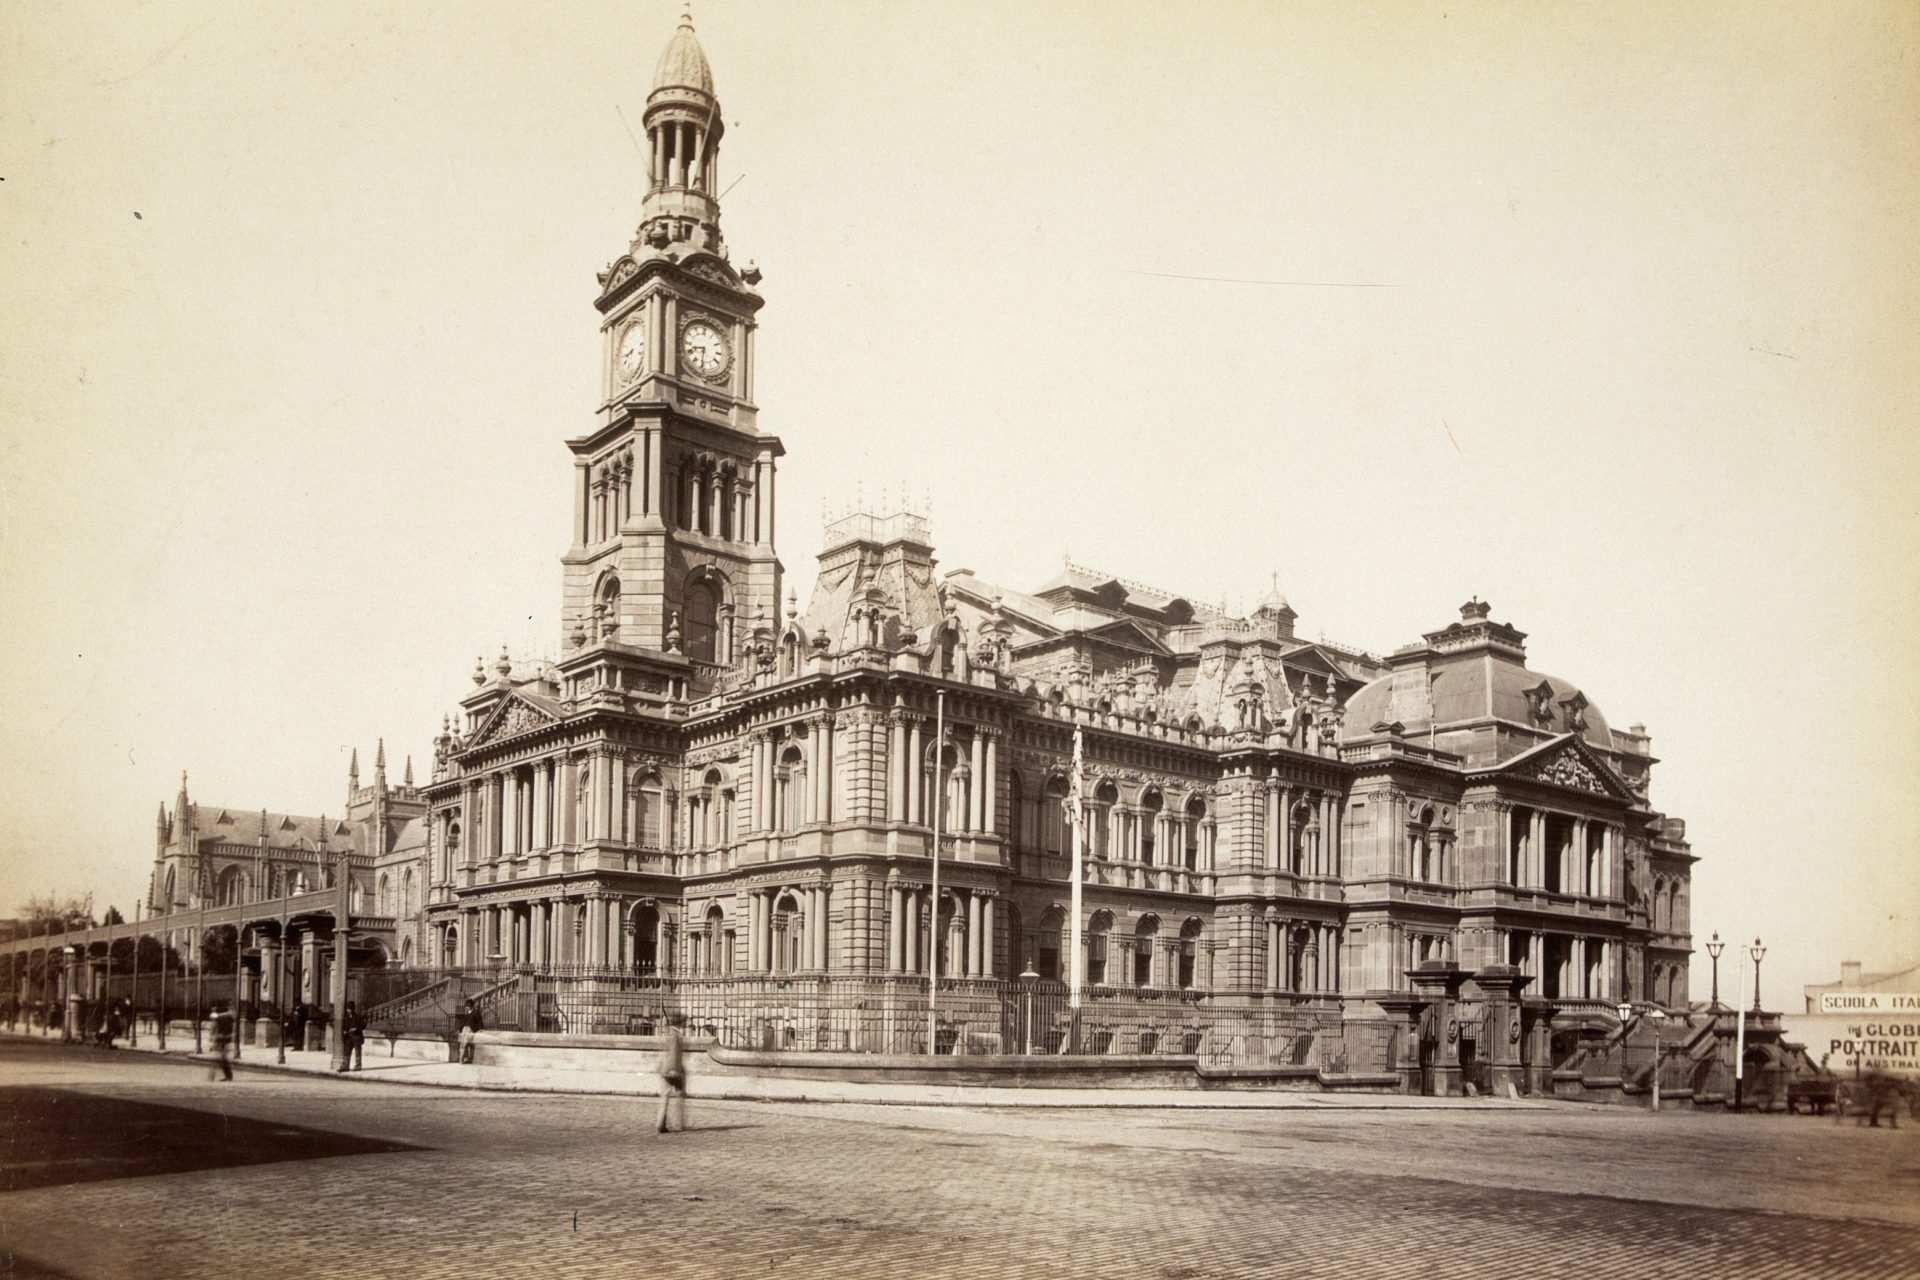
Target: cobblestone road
<point x="503" y="1184"/>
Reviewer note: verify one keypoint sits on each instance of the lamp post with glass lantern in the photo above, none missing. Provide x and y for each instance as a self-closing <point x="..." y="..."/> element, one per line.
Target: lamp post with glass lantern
<point x="1027" y="978"/>
<point x="1714" y="948"/>
<point x="1657" y="1017"/>
<point x="1756" y="951"/>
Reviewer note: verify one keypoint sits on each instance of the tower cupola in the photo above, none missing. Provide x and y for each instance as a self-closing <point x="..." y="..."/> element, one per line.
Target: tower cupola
<point x="683" y="142"/>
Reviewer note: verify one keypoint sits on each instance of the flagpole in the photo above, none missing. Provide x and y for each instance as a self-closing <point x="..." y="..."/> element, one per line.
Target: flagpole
<point x="1075" y="964"/>
<point x="1740" y="1041"/>
<point x="933" y="927"/>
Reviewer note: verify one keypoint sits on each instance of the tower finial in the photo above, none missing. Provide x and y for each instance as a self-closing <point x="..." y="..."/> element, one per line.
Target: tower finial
<point x="353" y="773"/>
<point x="406" y="779"/>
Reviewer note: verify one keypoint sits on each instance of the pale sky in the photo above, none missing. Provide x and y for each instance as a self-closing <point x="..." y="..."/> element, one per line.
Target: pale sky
<point x="299" y="309"/>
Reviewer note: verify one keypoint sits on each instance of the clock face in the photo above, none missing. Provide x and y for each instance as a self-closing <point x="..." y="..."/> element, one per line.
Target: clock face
<point x="631" y="357"/>
<point x="703" y="349"/>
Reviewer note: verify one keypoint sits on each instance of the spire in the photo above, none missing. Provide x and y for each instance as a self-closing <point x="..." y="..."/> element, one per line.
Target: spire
<point x="353" y="773"/>
<point x="406" y="779"/>
<point x="380" y="763"/>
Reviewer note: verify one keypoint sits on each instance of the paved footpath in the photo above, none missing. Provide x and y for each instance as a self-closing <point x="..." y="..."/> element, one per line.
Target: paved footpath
<point x="116" y="1164"/>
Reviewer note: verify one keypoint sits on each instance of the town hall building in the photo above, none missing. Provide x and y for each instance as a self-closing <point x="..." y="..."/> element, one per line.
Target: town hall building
<point x="720" y="804"/>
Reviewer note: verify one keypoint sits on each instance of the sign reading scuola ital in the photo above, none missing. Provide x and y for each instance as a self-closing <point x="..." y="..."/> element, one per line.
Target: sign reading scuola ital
<point x="1858" y="1002"/>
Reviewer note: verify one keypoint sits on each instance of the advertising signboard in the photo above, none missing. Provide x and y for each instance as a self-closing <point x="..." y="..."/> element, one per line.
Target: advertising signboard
<point x="1867" y="1030"/>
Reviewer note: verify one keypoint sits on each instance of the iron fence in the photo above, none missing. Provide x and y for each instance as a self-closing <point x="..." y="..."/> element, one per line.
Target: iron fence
<point x="876" y="1014"/>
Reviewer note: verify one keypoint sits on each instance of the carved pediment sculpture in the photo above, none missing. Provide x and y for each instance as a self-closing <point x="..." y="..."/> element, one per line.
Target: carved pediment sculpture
<point x="510" y="719"/>
<point x="1569" y="768"/>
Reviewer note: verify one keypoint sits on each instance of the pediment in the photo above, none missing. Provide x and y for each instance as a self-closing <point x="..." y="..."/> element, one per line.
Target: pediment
<point x="1127" y="633"/>
<point x="513" y="717"/>
<point x="1569" y="763"/>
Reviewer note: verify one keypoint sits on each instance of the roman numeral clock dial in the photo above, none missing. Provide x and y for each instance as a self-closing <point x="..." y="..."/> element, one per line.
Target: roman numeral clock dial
<point x="704" y="350"/>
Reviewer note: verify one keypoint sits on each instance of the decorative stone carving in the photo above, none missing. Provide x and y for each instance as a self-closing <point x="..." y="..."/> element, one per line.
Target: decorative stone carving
<point x="1568" y="769"/>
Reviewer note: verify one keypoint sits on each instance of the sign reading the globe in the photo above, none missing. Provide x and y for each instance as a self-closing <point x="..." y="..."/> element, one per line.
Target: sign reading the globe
<point x="1866" y="1041"/>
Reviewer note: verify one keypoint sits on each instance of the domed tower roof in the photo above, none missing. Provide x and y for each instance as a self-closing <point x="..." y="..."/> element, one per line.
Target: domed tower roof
<point x="684" y="63"/>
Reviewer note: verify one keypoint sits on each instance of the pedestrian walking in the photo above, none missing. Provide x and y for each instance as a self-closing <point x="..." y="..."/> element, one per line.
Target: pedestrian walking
<point x="353" y="1036"/>
<point x="114" y="1028"/>
<point x="222" y="1038"/>
<point x="470" y="1024"/>
<point x="673" y="1078"/>
<point x="300" y="1018"/>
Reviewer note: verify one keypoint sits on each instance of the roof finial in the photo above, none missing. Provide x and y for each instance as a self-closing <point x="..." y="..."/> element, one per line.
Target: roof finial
<point x="686" y="17"/>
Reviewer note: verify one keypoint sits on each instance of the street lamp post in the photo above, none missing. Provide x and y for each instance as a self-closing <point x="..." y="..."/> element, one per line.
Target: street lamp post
<point x="133" y="1003"/>
<point x="1656" y="1016"/>
<point x="1756" y="951"/>
<point x="1027" y="978"/>
<point x="1714" y="948"/>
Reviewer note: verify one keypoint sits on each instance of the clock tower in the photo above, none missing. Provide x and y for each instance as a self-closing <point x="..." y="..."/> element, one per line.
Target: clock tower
<point x="672" y="563"/>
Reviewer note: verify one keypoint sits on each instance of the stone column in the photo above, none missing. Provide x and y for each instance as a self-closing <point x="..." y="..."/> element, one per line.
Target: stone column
<point x="915" y="811"/>
<point x="822" y="931"/>
<point x="976" y="816"/>
<point x="896" y="930"/>
<point x="896" y="777"/>
<point x="973" y="935"/>
<point x="989" y="785"/>
<point x="755" y="961"/>
<point x="913" y="947"/>
<point x="823" y="732"/>
<point x="988" y="939"/>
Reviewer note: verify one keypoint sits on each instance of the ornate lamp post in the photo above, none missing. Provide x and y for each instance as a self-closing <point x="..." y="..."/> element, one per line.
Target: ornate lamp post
<point x="1756" y="951"/>
<point x="1714" y="948"/>
<point x="1657" y="1017"/>
<point x="1027" y="978"/>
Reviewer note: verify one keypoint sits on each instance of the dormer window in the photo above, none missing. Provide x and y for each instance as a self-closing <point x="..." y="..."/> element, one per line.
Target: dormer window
<point x="1540" y="703"/>
<point x="1575" y="710"/>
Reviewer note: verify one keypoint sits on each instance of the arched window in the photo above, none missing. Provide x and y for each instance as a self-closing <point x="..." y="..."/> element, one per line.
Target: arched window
<point x="1047" y="943"/>
<point x="450" y="948"/>
<point x="451" y="858"/>
<point x="790" y="790"/>
<point x="719" y="954"/>
<point x="1189" y="951"/>
<point x="232" y="887"/>
<point x="649" y="808"/>
<point x="1018" y="823"/>
<point x="646" y="939"/>
<point x="1099" y="930"/>
<point x="788" y="935"/>
<point x="1145" y="936"/>
<point x="700" y="625"/>
<point x="1196" y="817"/>
<point x="1299" y="838"/>
<point x="383" y="897"/>
<point x="606" y="607"/>
<point x="1105" y="796"/>
<point x="409" y="903"/>
<point x="1053" y="816"/>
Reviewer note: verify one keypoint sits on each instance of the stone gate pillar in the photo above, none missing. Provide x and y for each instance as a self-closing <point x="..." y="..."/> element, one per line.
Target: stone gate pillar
<point x="1408" y="1011"/>
<point x="1439" y="981"/>
<point x="1536" y="1033"/>
<point x="1500" y="986"/>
